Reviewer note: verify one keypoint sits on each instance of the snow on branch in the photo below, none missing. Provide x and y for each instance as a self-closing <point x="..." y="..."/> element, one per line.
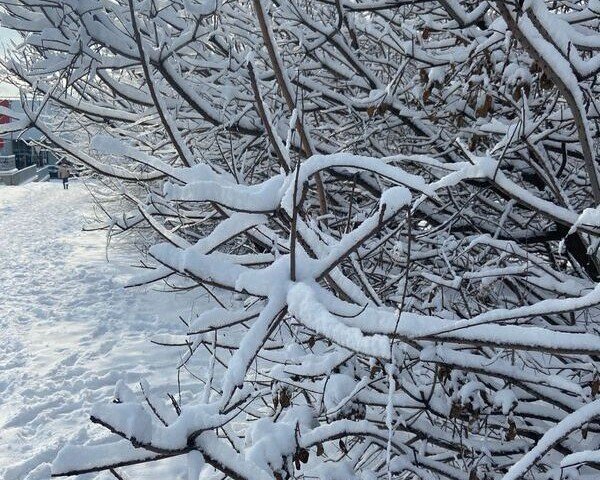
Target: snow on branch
<point x="392" y="207"/>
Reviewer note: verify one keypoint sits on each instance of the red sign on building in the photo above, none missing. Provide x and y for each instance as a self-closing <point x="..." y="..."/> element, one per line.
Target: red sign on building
<point x="4" y="118"/>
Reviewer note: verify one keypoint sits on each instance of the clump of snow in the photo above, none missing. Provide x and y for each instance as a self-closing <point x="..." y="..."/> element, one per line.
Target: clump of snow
<point x="195" y="464"/>
<point x="338" y="388"/>
<point x="336" y="471"/>
<point x="131" y="419"/>
<point x="589" y="216"/>
<point x="506" y="400"/>
<point x="269" y="443"/>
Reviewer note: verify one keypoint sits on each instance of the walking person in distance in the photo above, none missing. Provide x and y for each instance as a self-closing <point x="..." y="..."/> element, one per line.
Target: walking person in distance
<point x="64" y="173"/>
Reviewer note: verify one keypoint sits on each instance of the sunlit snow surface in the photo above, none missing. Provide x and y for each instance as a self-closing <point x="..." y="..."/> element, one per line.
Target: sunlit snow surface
<point x="69" y="330"/>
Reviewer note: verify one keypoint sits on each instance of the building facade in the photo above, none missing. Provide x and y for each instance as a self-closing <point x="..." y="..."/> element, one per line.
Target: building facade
<point x="22" y="158"/>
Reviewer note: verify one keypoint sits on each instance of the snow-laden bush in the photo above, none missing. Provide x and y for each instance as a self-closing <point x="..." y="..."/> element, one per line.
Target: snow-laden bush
<point x="391" y="202"/>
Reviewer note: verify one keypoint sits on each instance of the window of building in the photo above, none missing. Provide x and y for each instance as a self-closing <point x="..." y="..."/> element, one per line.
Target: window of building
<point x="26" y="155"/>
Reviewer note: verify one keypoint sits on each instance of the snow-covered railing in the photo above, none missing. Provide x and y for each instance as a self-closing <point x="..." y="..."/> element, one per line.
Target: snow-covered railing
<point x="18" y="177"/>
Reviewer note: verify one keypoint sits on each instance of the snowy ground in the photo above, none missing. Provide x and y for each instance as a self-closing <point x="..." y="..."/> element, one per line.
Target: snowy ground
<point x="68" y="330"/>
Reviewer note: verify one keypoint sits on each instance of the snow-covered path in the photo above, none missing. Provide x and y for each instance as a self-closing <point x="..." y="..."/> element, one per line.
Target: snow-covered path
<point x="68" y="330"/>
